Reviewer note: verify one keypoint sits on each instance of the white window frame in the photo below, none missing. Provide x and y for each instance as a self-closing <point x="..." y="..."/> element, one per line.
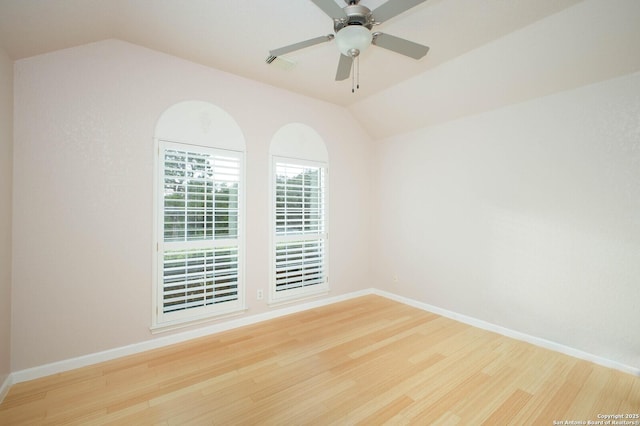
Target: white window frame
<point x="282" y="296"/>
<point x="162" y="321"/>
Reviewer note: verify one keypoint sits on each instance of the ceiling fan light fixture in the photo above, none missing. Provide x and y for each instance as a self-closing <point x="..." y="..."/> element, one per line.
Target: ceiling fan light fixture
<point x="353" y="40"/>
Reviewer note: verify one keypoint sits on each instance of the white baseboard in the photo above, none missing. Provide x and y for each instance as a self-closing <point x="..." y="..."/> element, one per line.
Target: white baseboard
<point x="4" y="387"/>
<point x="82" y="361"/>
<point x="537" y="341"/>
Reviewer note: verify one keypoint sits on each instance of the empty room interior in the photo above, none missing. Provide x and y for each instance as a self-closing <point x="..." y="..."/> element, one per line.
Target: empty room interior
<point x="320" y="212"/>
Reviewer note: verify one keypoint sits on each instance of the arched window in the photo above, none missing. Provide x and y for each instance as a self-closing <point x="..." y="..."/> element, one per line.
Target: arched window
<point x="299" y="173"/>
<point x="198" y="215"/>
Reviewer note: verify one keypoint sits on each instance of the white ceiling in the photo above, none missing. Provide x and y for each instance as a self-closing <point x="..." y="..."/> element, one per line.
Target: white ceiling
<point x="236" y="36"/>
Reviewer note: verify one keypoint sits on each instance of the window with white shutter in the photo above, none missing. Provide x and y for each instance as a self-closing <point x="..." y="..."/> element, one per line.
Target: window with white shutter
<point x="300" y="228"/>
<point x="199" y="253"/>
<point x="198" y="216"/>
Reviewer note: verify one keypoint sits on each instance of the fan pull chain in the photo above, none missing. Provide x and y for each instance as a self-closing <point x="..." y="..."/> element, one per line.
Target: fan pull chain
<point x="355" y="74"/>
<point x="358" y="73"/>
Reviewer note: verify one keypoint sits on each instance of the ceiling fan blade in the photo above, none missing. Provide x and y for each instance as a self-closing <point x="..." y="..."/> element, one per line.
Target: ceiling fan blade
<point x="300" y="45"/>
<point x="331" y="8"/>
<point x="400" y="45"/>
<point x="344" y="67"/>
<point x="393" y="8"/>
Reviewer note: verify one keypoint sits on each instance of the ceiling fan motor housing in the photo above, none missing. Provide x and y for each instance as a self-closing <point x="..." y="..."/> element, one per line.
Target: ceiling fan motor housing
<point x="356" y="15"/>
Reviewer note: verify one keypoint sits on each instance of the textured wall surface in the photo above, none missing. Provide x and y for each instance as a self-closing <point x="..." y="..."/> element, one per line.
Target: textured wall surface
<point x="84" y="123"/>
<point x="6" y="171"/>
<point x="525" y="217"/>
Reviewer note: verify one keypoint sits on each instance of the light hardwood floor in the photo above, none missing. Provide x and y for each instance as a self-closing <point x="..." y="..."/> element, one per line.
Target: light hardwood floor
<point x="364" y="361"/>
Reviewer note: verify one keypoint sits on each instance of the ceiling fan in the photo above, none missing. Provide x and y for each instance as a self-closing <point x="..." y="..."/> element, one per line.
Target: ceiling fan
<point x="352" y="25"/>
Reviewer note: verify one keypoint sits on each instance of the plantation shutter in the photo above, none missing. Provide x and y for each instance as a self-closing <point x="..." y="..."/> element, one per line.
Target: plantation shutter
<point x="199" y="249"/>
<point x="300" y="227"/>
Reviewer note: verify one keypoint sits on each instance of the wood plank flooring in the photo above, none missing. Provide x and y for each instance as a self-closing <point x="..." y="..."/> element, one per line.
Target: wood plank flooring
<point x="364" y="361"/>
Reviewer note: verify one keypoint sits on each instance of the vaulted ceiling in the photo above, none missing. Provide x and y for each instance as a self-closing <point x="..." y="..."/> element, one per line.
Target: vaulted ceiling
<point x="236" y="36"/>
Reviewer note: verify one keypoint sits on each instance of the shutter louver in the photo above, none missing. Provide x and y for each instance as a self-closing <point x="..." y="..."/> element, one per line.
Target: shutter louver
<point x="199" y="277"/>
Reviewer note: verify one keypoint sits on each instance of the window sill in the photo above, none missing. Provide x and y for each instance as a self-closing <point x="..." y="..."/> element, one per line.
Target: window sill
<point x="179" y="324"/>
<point x="297" y="298"/>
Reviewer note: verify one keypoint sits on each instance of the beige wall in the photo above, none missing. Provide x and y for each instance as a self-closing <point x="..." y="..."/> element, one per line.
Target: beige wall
<point x="6" y="177"/>
<point x="83" y="190"/>
<point x="525" y="217"/>
<point x="509" y="191"/>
